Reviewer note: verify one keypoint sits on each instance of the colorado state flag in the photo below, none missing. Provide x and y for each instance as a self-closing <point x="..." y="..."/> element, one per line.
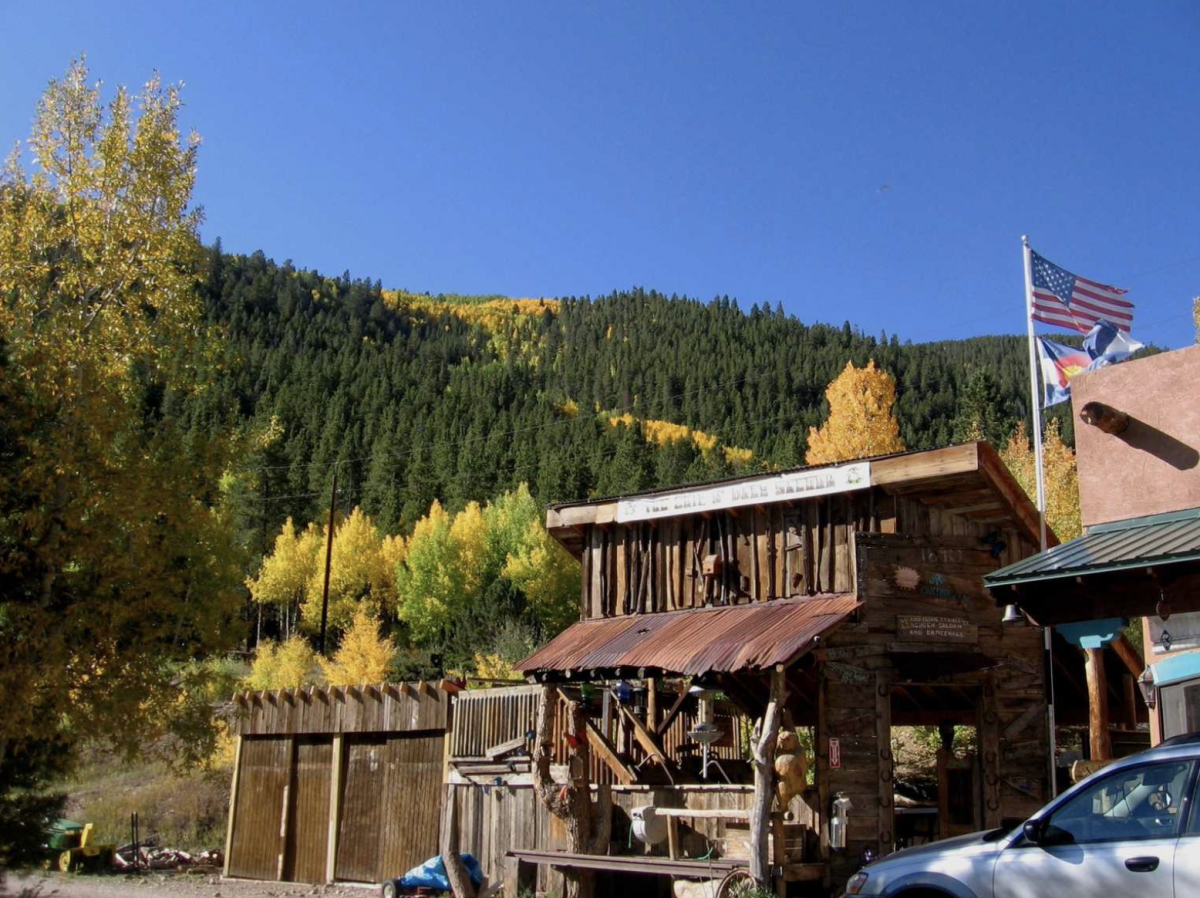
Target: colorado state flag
<point x="1104" y="345"/>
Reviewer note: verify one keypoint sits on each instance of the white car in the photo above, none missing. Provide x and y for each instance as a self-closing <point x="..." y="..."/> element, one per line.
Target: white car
<point x="1130" y="829"/>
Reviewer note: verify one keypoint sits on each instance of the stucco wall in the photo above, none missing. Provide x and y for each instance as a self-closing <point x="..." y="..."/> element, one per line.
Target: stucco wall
<point x="1154" y="466"/>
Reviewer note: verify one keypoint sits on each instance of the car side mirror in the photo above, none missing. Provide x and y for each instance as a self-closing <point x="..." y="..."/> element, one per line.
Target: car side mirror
<point x="1034" y="830"/>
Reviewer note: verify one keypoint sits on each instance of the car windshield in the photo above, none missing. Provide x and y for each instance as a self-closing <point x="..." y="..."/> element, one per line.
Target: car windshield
<point x="1136" y="803"/>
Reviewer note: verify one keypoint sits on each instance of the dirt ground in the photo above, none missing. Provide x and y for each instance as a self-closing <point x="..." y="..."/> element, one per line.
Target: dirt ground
<point x="55" y="885"/>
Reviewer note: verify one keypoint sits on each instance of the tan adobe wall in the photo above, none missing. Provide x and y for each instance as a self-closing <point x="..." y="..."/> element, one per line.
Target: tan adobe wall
<point x="1154" y="466"/>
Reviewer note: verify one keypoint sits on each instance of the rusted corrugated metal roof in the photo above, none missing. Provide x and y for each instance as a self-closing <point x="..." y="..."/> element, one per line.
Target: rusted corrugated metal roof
<point x="699" y="640"/>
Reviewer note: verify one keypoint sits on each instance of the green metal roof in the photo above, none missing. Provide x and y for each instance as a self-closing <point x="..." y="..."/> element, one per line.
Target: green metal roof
<point x="1122" y="545"/>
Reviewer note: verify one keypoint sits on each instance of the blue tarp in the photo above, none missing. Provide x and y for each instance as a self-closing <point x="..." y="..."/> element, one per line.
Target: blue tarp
<point x="432" y="874"/>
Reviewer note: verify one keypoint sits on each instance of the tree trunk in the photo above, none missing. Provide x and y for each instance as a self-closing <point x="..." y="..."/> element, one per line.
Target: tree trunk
<point x="572" y="803"/>
<point x="460" y="881"/>
<point x="766" y="731"/>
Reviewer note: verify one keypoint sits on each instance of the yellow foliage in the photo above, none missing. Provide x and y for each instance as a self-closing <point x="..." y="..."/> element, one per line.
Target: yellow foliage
<point x="738" y="457"/>
<point x="112" y="552"/>
<point x="860" y="423"/>
<point x="493" y="667"/>
<point x="363" y="657"/>
<point x="1060" y="473"/>
<point x="663" y="433"/>
<point x="469" y="533"/>
<point x="282" y="665"/>
<point x="506" y="320"/>
<point x="359" y="572"/>
<point x="569" y="407"/>
<point x="287" y="571"/>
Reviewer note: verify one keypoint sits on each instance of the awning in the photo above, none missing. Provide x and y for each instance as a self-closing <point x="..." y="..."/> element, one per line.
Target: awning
<point x="695" y="641"/>
<point x="1120" y="546"/>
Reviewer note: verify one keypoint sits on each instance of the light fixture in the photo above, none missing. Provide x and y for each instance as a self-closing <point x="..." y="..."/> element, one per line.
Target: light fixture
<point x="1146" y="684"/>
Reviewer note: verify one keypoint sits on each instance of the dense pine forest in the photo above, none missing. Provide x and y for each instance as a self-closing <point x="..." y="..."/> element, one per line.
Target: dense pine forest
<point x="413" y="398"/>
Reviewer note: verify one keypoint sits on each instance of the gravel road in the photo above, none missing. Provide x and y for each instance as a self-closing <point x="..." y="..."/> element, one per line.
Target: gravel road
<point x="56" y="885"/>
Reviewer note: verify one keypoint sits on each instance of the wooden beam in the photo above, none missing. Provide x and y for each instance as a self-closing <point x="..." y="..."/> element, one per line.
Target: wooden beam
<point x="233" y="794"/>
<point x="652" y="704"/>
<point x="648" y="741"/>
<point x="335" y="807"/>
<point x="1099" y="740"/>
<point x="1129" y="656"/>
<point x="608" y="754"/>
<point x="665" y="723"/>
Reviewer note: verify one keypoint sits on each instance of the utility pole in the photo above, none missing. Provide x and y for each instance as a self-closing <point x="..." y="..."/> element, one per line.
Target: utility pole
<point x="328" y="561"/>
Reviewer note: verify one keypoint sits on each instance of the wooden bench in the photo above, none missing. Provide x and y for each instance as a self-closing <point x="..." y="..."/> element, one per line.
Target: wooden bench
<point x="529" y="859"/>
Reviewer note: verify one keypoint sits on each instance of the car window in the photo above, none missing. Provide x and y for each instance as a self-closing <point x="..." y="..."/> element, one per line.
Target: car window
<point x="1135" y="803"/>
<point x="1194" y="810"/>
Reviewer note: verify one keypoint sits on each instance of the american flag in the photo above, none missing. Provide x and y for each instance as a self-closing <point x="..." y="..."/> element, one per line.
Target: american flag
<point x="1067" y="300"/>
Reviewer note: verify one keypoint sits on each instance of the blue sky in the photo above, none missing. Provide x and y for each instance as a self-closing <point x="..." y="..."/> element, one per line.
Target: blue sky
<point x="875" y="162"/>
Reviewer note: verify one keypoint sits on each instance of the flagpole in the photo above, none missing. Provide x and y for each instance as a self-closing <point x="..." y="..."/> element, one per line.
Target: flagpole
<point x="1036" y="407"/>
<point x="1036" y="400"/>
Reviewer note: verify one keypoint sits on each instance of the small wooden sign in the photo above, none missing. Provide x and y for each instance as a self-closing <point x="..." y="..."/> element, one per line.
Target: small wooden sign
<point x="835" y="754"/>
<point x="932" y="628"/>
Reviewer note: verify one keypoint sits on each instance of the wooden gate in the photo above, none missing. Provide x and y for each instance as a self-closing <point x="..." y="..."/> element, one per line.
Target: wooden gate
<point x="391" y="805"/>
<point x="255" y="845"/>
<point x="307" y="842"/>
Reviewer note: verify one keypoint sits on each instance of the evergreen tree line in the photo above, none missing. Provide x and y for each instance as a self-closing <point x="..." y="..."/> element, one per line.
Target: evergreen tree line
<point x="411" y="402"/>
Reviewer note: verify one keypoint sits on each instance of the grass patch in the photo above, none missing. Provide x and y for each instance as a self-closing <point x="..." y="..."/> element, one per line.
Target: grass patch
<point x="185" y="811"/>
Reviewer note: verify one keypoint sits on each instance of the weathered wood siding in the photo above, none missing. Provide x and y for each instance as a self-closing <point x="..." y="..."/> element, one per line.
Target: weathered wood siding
<point x="501" y="818"/>
<point x="484" y="718"/>
<point x="903" y="580"/>
<point x="390" y="805"/>
<point x="768" y="552"/>
<point x="256" y="848"/>
<point x="307" y="841"/>
<point x="382" y="708"/>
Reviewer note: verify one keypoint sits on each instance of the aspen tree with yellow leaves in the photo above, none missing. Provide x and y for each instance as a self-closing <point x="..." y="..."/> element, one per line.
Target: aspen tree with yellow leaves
<point x="364" y="656"/>
<point x="1060" y="472"/>
<point x="115" y="568"/>
<point x="861" y="423"/>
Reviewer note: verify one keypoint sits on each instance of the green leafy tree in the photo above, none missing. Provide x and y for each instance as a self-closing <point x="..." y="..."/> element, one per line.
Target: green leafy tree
<point x="115" y="567"/>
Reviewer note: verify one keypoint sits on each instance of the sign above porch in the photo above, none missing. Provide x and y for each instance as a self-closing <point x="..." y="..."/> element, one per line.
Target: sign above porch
<point x="752" y="491"/>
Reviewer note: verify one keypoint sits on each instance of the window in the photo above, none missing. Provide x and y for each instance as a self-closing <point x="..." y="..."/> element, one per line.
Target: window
<point x="1136" y="803"/>
<point x="1194" y="811"/>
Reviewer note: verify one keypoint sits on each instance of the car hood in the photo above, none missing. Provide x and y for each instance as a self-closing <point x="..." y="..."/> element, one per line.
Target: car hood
<point x="980" y="842"/>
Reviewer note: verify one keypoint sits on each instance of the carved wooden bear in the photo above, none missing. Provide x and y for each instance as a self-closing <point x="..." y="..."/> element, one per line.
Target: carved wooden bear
<point x="791" y="768"/>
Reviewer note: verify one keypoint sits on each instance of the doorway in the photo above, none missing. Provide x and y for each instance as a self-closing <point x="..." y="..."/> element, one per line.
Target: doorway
<point x="935" y="759"/>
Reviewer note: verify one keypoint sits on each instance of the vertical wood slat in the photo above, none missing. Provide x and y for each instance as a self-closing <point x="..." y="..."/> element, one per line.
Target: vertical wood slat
<point x="263" y="775"/>
<point x="336" y="767"/>
<point x="883" y="739"/>
<point x="307" y="832"/>
<point x="233" y="798"/>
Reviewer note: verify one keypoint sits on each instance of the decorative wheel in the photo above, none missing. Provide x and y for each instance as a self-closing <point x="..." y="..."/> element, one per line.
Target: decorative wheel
<point x="389" y="889"/>
<point x="736" y="884"/>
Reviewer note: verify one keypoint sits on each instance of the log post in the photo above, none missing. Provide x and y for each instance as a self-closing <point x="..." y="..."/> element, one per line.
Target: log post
<point x="460" y="881"/>
<point x="572" y="803"/>
<point x="766" y="731"/>
<point x="1099" y="740"/>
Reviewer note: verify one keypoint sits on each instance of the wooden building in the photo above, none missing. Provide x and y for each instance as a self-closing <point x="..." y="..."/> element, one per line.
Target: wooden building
<point x="337" y="784"/>
<point x="850" y="597"/>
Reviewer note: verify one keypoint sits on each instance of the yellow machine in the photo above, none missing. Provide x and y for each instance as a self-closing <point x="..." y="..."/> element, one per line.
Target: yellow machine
<point x="72" y="847"/>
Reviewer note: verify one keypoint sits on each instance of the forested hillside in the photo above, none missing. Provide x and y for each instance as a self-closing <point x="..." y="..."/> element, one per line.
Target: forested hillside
<point x="411" y="398"/>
